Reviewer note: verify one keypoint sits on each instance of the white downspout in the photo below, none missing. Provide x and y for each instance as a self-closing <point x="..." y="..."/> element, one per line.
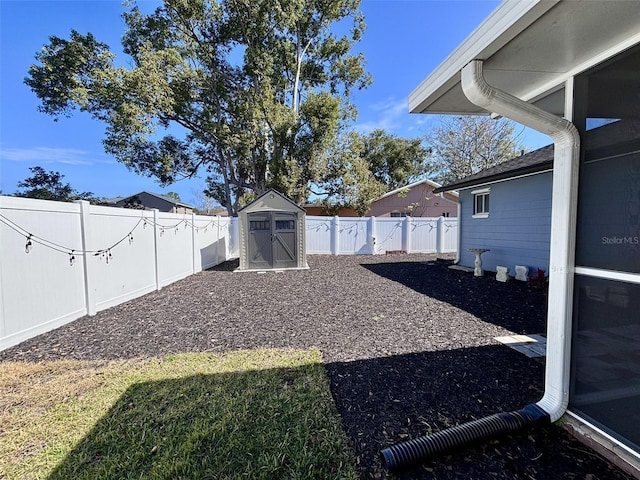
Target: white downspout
<point x="561" y="259"/>
<point x="566" y="158"/>
<point x="458" y="240"/>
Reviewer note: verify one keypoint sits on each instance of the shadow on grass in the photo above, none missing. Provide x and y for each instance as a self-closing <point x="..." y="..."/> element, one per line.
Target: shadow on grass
<point x="484" y="297"/>
<point x="384" y="401"/>
<point x="263" y="424"/>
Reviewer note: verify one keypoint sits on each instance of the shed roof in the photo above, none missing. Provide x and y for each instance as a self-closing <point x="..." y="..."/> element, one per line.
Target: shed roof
<point x="530" y="48"/>
<point x="533" y="162"/>
<point x="271" y="201"/>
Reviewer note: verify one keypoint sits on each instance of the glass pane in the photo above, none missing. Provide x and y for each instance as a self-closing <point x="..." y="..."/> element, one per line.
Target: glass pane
<point x="259" y="225"/>
<point x="285" y="225"/>
<point x="486" y="203"/>
<point x="606" y="356"/>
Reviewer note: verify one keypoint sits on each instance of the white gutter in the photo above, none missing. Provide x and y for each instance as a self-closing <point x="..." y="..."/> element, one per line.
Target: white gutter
<point x="566" y="141"/>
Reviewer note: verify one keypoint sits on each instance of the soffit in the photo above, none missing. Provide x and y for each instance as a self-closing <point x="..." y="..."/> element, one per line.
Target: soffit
<point x="529" y="49"/>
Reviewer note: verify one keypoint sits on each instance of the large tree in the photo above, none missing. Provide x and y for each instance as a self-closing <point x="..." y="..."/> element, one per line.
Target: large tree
<point x="253" y="91"/>
<point x="48" y="185"/>
<point x="462" y="146"/>
<point x="362" y="167"/>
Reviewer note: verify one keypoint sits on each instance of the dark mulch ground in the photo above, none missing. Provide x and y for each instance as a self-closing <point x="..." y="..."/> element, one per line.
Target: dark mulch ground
<point x="408" y="345"/>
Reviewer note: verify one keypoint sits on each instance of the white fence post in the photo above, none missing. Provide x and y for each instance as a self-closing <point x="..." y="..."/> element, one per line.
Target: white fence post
<point x="406" y="235"/>
<point x="372" y="234"/>
<point x="85" y="229"/>
<point x="193" y="242"/>
<point x="156" y="252"/>
<point x="335" y="237"/>
<point x="440" y="235"/>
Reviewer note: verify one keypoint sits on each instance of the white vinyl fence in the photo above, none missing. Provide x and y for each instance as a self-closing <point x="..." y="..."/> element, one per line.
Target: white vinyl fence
<point x="372" y="236"/>
<point x="60" y="261"/>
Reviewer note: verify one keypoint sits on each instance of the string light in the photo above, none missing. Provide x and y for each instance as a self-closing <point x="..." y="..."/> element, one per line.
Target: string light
<point x="31" y="239"/>
<point x="28" y="245"/>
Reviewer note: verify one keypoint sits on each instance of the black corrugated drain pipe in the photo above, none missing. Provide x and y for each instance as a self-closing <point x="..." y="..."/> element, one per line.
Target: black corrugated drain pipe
<point x="419" y="449"/>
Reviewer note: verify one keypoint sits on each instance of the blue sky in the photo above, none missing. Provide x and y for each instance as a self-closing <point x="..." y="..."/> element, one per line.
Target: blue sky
<point x="405" y="40"/>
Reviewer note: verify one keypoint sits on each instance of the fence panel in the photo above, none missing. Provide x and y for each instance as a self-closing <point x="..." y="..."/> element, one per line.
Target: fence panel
<point x="353" y="238"/>
<point x="42" y="288"/>
<point x="174" y="247"/>
<point x="206" y="252"/>
<point x="319" y="234"/>
<point x="127" y="269"/>
<point x="424" y="235"/>
<point x="232" y="234"/>
<point x="450" y="235"/>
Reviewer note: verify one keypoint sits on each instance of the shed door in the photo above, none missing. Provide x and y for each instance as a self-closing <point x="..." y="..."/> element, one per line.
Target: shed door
<point x="260" y="251"/>
<point x="272" y="240"/>
<point x="284" y="240"/>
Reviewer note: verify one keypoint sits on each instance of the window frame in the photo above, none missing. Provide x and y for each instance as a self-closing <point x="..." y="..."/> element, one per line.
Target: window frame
<point x="485" y="193"/>
<point x="398" y="214"/>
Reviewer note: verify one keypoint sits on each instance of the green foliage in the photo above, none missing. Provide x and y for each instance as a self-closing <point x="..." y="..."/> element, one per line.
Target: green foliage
<point x="260" y="414"/>
<point x="394" y="161"/>
<point x="49" y="186"/>
<point x="253" y="91"/>
<point x="361" y="168"/>
<point x="462" y="146"/>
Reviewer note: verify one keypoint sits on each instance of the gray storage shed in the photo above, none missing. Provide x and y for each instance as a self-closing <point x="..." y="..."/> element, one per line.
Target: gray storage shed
<point x="272" y="234"/>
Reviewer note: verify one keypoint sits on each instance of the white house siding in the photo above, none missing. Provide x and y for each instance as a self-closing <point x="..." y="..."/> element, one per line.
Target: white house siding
<point x="518" y="227"/>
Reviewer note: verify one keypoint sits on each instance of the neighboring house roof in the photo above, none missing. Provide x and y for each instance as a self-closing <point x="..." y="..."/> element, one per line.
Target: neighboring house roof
<point x="157" y="195"/>
<point x="431" y="183"/>
<point x="532" y="162"/>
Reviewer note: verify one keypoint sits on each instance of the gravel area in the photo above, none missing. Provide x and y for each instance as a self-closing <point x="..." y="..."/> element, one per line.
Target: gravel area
<point x="408" y="345"/>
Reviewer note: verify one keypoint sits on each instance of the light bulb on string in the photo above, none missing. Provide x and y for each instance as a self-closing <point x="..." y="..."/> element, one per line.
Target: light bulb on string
<point x="28" y="245"/>
<point x="72" y="258"/>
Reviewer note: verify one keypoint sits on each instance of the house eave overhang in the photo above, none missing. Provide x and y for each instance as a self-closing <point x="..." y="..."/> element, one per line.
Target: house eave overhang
<point x="529" y="49"/>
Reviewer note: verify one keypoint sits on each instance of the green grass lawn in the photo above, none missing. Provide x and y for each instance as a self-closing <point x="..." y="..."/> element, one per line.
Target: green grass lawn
<point x="260" y="414"/>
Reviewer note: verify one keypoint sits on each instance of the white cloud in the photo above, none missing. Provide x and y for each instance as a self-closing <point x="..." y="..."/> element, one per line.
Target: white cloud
<point x="387" y="115"/>
<point x="68" y="156"/>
